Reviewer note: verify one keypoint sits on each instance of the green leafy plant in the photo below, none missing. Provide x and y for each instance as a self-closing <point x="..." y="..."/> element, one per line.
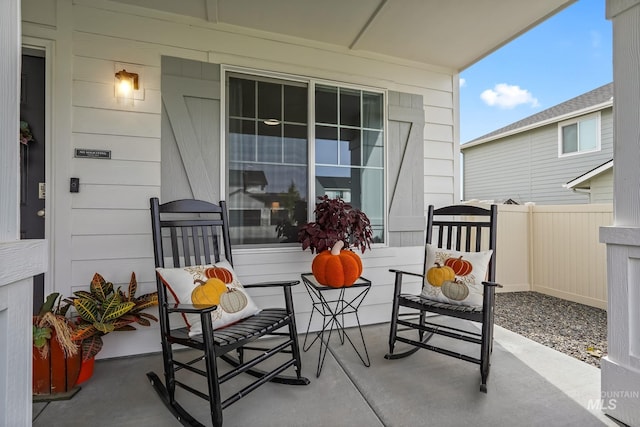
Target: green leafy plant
<point x="336" y="220"/>
<point x="104" y="309"/>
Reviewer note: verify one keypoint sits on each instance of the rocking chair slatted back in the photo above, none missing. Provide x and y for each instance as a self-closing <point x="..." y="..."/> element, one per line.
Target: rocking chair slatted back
<point x="193" y="240"/>
<point x="465" y="235"/>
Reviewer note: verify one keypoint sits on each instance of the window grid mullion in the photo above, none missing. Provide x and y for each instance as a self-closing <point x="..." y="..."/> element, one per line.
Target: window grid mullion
<point x="281" y="124"/>
<point x="255" y="123"/>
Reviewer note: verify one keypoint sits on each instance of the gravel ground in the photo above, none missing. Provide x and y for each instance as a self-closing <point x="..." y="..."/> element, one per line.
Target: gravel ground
<point x="571" y="328"/>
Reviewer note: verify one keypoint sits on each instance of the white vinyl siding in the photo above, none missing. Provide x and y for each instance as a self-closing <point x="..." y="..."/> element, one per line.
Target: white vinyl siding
<point x="525" y="166"/>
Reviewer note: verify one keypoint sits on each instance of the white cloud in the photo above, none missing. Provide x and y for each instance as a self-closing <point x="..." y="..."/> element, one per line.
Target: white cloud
<point x="463" y="82"/>
<point x="508" y="96"/>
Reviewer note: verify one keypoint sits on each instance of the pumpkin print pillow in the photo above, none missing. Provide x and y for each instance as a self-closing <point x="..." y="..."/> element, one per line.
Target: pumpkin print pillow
<point x="206" y="285"/>
<point x="455" y="277"/>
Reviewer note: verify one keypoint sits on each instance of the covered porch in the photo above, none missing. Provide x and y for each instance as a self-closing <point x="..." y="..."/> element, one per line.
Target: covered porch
<point x="530" y="385"/>
<point x="384" y="44"/>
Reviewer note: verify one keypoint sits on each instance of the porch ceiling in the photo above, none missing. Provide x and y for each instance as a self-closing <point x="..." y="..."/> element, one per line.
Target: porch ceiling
<point x="450" y="34"/>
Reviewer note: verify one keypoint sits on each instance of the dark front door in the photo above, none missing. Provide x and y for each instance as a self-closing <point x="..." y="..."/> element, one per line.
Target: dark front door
<point x="32" y="157"/>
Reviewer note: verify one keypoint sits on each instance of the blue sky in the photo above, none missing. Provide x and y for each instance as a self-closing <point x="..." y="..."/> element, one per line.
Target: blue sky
<point x="563" y="57"/>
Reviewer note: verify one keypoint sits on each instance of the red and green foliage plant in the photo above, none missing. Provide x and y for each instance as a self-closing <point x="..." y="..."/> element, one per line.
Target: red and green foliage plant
<point x="336" y="221"/>
<point x="104" y="309"/>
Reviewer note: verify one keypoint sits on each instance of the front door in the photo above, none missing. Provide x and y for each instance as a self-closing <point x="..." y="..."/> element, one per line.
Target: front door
<point x="32" y="157"/>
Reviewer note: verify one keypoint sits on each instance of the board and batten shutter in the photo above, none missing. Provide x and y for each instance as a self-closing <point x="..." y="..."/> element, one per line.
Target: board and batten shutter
<point x="406" y="169"/>
<point x="190" y="165"/>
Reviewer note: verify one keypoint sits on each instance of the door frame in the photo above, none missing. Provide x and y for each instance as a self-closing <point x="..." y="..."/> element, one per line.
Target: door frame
<point x="46" y="46"/>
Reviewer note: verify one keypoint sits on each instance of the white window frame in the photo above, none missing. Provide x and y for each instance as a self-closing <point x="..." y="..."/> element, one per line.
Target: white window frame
<point x="311" y="82"/>
<point x="577" y="120"/>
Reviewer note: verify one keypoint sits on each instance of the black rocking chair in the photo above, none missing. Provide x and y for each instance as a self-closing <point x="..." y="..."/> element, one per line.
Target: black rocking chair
<point x="461" y="228"/>
<point x="191" y="233"/>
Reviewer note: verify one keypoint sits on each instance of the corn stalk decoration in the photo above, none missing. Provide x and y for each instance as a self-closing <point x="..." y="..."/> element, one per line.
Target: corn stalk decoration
<point x="52" y="317"/>
<point x="104" y="309"/>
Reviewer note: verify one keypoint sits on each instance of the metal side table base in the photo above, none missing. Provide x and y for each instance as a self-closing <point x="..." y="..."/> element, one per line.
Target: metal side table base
<point x="333" y="312"/>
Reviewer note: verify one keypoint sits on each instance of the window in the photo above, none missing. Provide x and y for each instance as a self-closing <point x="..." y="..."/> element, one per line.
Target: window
<point x="349" y="150"/>
<point x="579" y="135"/>
<point x="271" y="136"/>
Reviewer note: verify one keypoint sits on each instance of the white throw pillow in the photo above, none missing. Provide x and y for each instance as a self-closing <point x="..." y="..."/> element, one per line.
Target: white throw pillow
<point x="235" y="304"/>
<point x="455" y="277"/>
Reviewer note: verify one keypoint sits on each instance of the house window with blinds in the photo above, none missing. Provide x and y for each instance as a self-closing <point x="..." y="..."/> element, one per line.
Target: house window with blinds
<point x="291" y="141"/>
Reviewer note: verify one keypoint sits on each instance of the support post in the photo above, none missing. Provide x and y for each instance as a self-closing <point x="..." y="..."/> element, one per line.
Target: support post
<point x="620" y="383"/>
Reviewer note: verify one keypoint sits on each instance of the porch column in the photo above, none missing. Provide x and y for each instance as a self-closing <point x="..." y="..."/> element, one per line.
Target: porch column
<point x="621" y="367"/>
<point x="19" y="260"/>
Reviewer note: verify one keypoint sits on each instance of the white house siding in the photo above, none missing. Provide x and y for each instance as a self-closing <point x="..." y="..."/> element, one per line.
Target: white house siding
<point x="105" y="228"/>
<point x="526" y="167"/>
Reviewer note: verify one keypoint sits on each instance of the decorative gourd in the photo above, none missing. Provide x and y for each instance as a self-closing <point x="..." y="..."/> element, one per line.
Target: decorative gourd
<point x="233" y="301"/>
<point x="208" y="293"/>
<point x="219" y="273"/>
<point x="455" y="290"/>
<point x="460" y="266"/>
<point x="337" y="268"/>
<point x="438" y="274"/>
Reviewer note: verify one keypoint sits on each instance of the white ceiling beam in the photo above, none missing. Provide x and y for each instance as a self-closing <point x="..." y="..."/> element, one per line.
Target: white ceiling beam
<point x="354" y="43"/>
<point x="212" y="10"/>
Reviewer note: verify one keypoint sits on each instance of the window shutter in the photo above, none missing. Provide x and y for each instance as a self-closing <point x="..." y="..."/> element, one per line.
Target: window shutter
<point x="190" y="162"/>
<point x="406" y="170"/>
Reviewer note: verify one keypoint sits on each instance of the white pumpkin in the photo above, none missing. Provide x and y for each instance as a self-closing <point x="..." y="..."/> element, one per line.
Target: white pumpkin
<point x="233" y="300"/>
<point x="454" y="290"/>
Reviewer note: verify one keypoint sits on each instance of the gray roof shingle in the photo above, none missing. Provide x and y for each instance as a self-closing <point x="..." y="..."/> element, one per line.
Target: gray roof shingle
<point x="580" y="102"/>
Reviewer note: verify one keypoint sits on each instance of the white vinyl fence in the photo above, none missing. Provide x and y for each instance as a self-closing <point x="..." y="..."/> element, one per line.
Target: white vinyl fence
<point x="554" y="250"/>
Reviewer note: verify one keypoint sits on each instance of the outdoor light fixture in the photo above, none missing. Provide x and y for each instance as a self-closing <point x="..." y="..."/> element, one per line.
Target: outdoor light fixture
<point x="127" y="83"/>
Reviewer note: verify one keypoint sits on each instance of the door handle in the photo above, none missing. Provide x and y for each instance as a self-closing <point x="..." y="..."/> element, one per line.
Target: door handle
<point x="40" y="213"/>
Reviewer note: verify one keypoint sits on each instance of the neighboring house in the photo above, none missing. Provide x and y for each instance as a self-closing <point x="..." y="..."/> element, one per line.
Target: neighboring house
<point x="543" y="157"/>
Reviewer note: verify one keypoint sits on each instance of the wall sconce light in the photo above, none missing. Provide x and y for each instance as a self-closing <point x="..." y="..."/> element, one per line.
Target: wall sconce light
<point x="127" y="83"/>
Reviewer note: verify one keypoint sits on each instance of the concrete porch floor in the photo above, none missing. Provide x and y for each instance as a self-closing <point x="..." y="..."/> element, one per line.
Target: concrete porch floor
<point x="529" y="385"/>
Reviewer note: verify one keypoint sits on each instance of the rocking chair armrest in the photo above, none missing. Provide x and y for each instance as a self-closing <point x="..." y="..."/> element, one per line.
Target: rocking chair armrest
<point x="397" y="285"/>
<point x="405" y="272"/>
<point x="271" y="284"/>
<point x="189" y="308"/>
<point x="494" y="284"/>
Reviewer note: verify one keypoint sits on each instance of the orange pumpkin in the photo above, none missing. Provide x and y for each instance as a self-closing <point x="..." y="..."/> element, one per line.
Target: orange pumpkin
<point x="208" y="293"/>
<point x="460" y="266"/>
<point x="337" y="268"/>
<point x="219" y="273"/>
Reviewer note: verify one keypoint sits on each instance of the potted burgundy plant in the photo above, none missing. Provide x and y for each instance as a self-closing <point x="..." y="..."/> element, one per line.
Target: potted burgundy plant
<point x="338" y="228"/>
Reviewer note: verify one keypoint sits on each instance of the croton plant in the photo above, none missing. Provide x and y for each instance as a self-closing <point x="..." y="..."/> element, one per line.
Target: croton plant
<point x="105" y="309"/>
